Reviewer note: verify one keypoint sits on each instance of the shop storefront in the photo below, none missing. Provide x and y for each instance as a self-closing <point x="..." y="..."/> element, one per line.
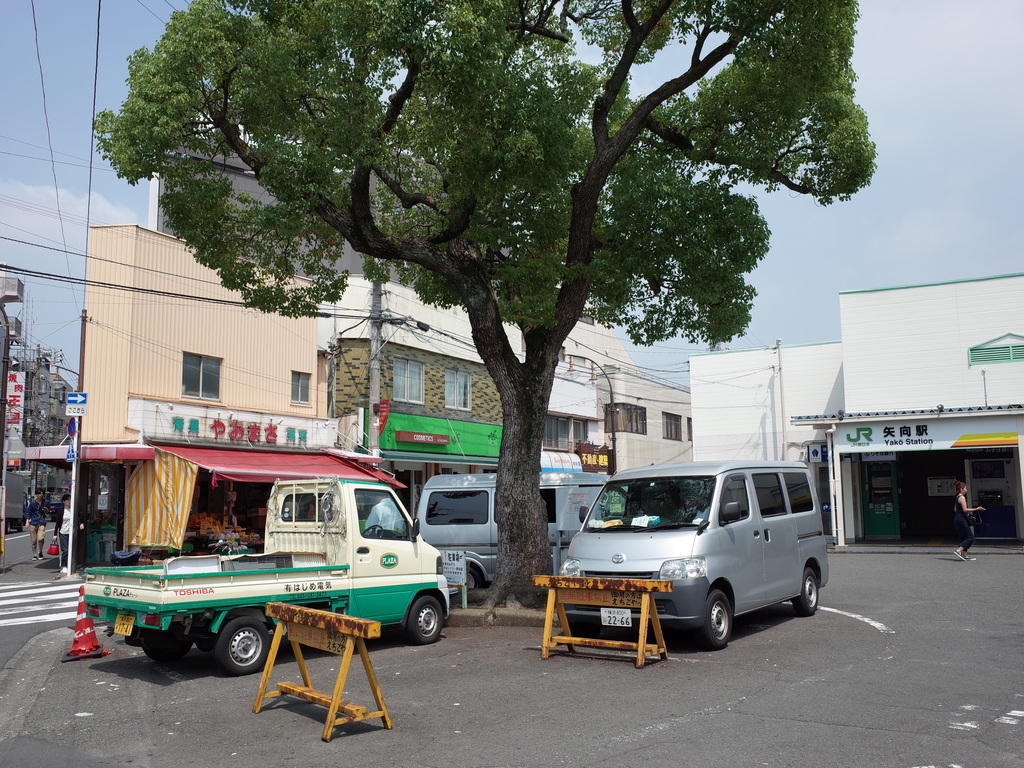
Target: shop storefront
<point x="197" y="499"/>
<point x="901" y="470"/>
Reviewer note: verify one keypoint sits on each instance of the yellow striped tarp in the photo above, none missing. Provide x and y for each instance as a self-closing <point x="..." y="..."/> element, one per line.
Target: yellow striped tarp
<point x="159" y="498"/>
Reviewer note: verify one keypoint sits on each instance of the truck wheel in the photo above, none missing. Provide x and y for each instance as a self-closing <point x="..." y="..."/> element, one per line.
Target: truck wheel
<point x="242" y="646"/>
<point x="163" y="648"/>
<point x="806" y="603"/>
<point x="714" y="633"/>
<point x="425" y="620"/>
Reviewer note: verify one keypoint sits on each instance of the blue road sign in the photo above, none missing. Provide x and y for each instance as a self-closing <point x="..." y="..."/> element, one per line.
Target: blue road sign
<point x="71" y="454"/>
<point x="78" y="398"/>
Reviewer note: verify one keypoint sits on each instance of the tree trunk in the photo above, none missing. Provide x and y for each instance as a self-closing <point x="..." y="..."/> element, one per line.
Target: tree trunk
<point x="523" y="547"/>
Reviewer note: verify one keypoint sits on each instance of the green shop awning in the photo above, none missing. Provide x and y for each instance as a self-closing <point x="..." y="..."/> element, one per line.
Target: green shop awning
<point x="439" y="458"/>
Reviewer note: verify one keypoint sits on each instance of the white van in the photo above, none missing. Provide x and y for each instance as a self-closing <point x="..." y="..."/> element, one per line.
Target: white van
<point x="457" y="512"/>
<point x="731" y="536"/>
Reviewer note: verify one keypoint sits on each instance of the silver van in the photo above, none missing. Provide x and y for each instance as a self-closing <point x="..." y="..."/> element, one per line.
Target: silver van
<point x="457" y="512"/>
<point x="731" y="536"/>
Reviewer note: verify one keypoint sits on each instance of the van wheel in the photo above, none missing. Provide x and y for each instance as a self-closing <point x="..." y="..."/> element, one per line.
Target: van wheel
<point x="425" y="620"/>
<point x="242" y="646"/>
<point x="716" y="630"/>
<point x="475" y="578"/>
<point x="164" y="648"/>
<point x="806" y="603"/>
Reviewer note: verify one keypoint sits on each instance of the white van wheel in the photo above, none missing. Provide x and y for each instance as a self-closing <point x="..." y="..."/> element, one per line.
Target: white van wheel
<point x="806" y="603"/>
<point x="475" y="578"/>
<point x="716" y="630"/>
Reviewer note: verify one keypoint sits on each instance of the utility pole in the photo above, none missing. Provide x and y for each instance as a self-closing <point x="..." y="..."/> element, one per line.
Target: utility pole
<point x="376" y="322"/>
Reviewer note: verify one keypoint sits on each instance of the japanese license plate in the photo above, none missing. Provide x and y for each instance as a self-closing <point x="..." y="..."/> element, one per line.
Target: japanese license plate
<point x="123" y="625"/>
<point x="616" y="617"/>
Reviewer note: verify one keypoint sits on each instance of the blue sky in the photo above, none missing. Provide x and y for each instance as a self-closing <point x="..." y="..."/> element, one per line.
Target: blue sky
<point x="939" y="79"/>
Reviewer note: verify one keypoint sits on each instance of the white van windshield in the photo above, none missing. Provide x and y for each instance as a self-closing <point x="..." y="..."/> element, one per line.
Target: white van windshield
<point x="642" y="504"/>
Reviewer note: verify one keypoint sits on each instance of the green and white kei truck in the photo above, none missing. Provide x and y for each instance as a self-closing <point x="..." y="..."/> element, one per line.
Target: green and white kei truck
<point x="326" y="547"/>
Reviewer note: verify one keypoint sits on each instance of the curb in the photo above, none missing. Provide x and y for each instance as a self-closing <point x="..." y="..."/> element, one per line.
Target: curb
<point x="495" y="617"/>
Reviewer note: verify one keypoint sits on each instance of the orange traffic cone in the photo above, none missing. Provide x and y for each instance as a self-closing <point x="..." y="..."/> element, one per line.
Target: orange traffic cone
<point x="85" y="644"/>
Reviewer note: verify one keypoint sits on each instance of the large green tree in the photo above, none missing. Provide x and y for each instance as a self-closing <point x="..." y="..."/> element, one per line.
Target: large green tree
<point x="500" y="156"/>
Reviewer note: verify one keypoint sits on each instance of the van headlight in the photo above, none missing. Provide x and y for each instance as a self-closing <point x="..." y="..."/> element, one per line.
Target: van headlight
<point x="571" y="567"/>
<point x="684" y="568"/>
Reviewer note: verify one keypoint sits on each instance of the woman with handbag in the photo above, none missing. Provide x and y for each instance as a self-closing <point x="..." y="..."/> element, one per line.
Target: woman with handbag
<point x="963" y="520"/>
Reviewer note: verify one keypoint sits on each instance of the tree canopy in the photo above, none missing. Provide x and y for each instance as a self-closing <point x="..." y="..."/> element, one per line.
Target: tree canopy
<point x="528" y="161"/>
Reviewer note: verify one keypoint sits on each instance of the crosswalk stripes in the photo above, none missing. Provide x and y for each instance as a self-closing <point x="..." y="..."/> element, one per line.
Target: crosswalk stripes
<point x="39" y="602"/>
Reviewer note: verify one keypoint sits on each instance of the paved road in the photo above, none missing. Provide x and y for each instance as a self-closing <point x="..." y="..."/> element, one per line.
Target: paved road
<point x="914" y="661"/>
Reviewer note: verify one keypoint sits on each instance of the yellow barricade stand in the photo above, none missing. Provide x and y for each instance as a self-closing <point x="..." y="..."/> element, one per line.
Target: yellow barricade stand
<point x="634" y="594"/>
<point x="334" y="633"/>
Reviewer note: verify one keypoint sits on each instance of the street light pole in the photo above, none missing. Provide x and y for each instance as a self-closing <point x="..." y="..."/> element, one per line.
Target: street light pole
<point x="613" y="463"/>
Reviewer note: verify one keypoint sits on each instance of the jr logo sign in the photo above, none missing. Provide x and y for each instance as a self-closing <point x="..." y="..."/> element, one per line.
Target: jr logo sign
<point x="863" y="436"/>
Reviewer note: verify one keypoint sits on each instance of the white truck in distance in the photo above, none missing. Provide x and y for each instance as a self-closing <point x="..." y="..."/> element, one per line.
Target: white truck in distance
<point x="326" y="547"/>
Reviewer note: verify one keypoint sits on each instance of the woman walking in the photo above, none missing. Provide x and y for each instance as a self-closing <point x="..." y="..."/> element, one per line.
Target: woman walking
<point x="961" y="524"/>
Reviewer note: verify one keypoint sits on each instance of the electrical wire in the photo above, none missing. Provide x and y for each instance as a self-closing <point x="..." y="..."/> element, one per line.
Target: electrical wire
<point x="46" y="120"/>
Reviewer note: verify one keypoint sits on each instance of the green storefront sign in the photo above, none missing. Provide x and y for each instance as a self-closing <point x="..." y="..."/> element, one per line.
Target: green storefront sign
<point x="449" y="440"/>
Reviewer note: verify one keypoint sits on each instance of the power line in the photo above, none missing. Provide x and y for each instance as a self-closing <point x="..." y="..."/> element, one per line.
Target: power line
<point x="46" y="120"/>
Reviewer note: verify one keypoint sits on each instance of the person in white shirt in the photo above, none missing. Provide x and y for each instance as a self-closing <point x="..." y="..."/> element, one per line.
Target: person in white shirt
<point x="386" y="515"/>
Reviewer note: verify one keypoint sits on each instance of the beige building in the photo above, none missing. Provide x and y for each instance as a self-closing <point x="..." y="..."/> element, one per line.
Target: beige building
<point x="176" y="369"/>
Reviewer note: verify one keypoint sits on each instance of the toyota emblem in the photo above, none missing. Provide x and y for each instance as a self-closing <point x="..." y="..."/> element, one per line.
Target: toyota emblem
<point x="618" y="559"/>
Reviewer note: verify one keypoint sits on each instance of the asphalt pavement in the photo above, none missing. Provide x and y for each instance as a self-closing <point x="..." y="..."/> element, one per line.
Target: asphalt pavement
<point x="912" y="661"/>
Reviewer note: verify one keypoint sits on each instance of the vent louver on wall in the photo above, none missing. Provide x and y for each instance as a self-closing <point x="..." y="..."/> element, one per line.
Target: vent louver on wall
<point x="1007" y="353"/>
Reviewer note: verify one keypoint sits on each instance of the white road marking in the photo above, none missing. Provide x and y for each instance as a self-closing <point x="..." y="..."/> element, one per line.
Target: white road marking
<point x="39" y="619"/>
<point x="876" y="624"/>
<point x="28" y="608"/>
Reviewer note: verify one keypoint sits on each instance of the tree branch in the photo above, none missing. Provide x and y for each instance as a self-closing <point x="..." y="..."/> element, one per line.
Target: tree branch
<point x="668" y="134"/>
<point x="398" y="99"/>
<point x="407" y="199"/>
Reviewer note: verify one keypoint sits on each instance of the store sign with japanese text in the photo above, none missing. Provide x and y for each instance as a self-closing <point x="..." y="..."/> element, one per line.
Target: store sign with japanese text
<point x="888" y="436"/>
<point x="594" y="458"/>
<point x="15" y="395"/>
<point x="203" y="426"/>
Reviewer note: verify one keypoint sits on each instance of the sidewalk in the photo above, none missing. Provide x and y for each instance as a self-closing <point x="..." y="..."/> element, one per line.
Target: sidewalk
<point x="933" y="547"/>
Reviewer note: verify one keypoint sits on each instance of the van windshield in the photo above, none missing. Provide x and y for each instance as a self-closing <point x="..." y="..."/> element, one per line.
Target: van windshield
<point x="643" y="504"/>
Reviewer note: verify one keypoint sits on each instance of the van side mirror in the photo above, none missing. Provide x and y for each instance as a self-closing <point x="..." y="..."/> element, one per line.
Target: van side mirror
<point x="415" y="529"/>
<point x="729" y="513"/>
<point x="583" y="513"/>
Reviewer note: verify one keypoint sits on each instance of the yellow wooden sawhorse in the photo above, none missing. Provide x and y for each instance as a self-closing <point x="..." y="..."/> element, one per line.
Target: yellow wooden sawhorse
<point x="334" y="633"/>
<point x="635" y="594"/>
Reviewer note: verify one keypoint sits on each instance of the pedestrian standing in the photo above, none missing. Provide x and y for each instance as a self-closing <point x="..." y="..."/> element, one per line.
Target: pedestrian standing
<point x="962" y="521"/>
<point x="35" y="516"/>
<point x="64" y="536"/>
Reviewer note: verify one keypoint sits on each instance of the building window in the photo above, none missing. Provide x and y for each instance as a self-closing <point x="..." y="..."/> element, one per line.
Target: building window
<point x="458" y="389"/>
<point x="672" y="426"/>
<point x="200" y="377"/>
<point x="580" y="432"/>
<point x="556" y="432"/>
<point x="408" y="380"/>
<point x="300" y="387"/>
<point x="625" y="417"/>
<point x="564" y="433"/>
<point x="689" y="429"/>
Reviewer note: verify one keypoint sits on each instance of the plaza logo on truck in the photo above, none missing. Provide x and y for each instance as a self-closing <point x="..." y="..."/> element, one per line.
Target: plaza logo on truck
<point x="390" y="560"/>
